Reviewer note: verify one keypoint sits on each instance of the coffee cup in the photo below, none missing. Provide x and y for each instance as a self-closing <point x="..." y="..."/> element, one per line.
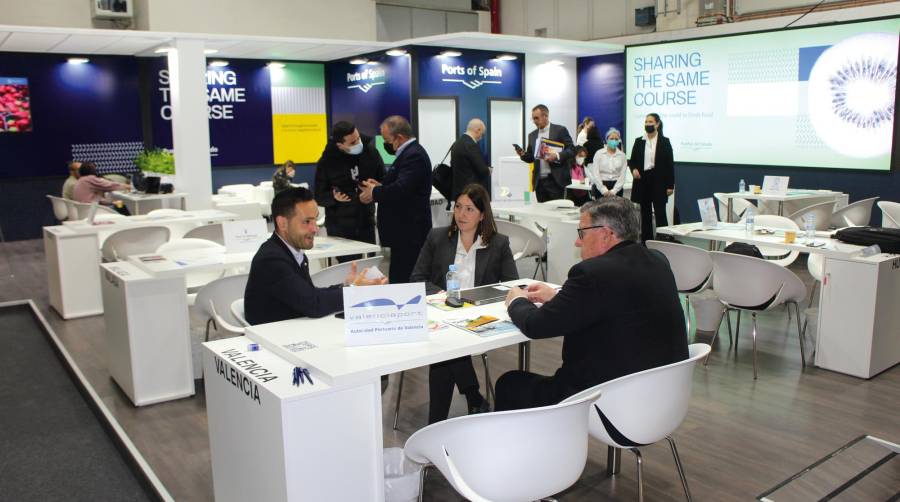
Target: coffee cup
<point x="790" y="236"/>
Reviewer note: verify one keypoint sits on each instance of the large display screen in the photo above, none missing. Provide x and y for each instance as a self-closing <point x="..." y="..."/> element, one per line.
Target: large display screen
<point x="808" y="97"/>
<point x="15" y="105"/>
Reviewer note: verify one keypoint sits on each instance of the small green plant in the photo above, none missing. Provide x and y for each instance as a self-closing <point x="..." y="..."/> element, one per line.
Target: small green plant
<point x="156" y="160"/>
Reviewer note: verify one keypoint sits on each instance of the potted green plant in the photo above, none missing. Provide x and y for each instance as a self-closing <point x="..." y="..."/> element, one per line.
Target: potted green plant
<point x="157" y="162"/>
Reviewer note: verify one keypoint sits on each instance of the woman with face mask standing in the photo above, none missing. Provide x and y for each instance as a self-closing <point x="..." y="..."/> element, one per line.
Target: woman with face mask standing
<point x="653" y="167"/>
<point x="349" y="159"/>
<point x="609" y="168"/>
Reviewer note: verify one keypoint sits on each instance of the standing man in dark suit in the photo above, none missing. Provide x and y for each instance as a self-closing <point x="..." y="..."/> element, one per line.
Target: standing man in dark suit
<point x="551" y="173"/>
<point x="653" y="166"/>
<point x="618" y="312"/>
<point x="404" y="205"/>
<point x="467" y="161"/>
<point x="279" y="286"/>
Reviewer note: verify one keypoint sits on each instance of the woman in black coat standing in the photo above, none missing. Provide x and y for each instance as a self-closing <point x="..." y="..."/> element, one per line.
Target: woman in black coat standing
<point x="653" y="166"/>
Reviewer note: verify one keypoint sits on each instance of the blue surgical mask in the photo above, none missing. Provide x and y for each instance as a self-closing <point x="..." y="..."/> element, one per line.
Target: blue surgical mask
<point x="612" y="143"/>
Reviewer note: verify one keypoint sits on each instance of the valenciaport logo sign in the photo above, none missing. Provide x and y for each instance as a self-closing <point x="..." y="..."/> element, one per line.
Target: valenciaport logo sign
<point x="473" y="76"/>
<point x="364" y="81"/>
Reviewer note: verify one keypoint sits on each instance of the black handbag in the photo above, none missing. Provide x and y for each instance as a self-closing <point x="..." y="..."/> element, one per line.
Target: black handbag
<point x="888" y="239"/>
<point x="442" y="179"/>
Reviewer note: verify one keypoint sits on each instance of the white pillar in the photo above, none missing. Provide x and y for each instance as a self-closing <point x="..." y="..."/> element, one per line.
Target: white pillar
<point x="190" y="122"/>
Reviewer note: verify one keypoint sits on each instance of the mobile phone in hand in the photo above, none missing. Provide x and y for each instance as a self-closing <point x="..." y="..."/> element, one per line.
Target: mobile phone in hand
<point x="517" y="147"/>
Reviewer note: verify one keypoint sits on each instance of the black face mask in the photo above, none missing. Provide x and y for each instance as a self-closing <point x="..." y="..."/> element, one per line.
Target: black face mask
<point x="389" y="148"/>
<point x="649" y="129"/>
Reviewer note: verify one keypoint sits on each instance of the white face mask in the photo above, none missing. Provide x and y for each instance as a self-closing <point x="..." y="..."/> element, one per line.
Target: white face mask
<point x="356" y="149"/>
<point x="579" y="160"/>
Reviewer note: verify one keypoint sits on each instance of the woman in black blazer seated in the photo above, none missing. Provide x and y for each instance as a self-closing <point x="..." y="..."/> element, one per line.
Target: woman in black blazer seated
<point x="653" y="167"/>
<point x="482" y="256"/>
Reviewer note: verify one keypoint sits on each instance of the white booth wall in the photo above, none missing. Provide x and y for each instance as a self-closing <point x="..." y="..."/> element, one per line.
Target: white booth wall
<point x="552" y="85"/>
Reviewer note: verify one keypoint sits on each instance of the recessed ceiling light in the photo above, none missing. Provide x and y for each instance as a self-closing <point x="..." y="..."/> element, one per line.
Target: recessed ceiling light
<point x="218" y="63"/>
<point x="78" y="60"/>
<point x="359" y="61"/>
<point x="396" y="52"/>
<point x="275" y="64"/>
<point x="164" y="50"/>
<point x="555" y="62"/>
<point x="451" y="54"/>
<point x="507" y="57"/>
<point x="372" y="62"/>
<point x="210" y="51"/>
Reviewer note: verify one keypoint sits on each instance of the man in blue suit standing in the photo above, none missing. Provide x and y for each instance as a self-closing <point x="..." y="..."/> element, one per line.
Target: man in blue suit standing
<point x="404" y="211"/>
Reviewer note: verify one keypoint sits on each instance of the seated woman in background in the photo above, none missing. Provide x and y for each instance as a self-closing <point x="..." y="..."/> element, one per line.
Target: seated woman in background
<point x="91" y="188"/>
<point x="281" y="180"/>
<point x="610" y="166"/>
<point x="482" y="256"/>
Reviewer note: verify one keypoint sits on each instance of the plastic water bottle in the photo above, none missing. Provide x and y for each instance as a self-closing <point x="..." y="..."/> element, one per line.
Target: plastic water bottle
<point x="809" y="225"/>
<point x="749" y="221"/>
<point x="453" y="284"/>
<point x="742" y="186"/>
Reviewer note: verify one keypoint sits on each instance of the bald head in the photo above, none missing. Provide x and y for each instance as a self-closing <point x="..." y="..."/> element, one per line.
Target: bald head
<point x="475" y="129"/>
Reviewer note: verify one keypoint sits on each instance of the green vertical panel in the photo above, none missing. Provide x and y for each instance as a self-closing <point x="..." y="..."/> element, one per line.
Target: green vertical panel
<point x="302" y="75"/>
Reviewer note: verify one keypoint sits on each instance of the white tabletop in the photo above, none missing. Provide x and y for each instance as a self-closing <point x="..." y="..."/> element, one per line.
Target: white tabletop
<point x="80" y="227"/>
<point x="793" y="194"/>
<point x="337" y="364"/>
<point x="537" y="211"/>
<point x="139" y="196"/>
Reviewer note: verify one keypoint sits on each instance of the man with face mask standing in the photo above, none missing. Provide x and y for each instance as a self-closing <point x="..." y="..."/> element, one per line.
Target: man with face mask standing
<point x="404" y="211"/>
<point x="551" y="172"/>
<point x="467" y="161"/>
<point x="349" y="159"/>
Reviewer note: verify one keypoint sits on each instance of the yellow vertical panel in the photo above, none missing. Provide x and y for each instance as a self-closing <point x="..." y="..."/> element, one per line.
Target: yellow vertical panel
<point x="299" y="137"/>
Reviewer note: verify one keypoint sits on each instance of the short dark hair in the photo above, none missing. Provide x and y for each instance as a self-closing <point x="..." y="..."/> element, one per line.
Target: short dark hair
<point x="87" y="169"/>
<point x="542" y="108"/>
<point x="284" y="202"/>
<point x="341" y="130"/>
<point x="580" y="149"/>
<point x="482" y="200"/>
<point x="398" y="126"/>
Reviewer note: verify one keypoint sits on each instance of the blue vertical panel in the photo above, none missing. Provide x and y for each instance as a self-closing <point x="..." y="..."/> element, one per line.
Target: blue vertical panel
<point x="368" y="93"/>
<point x="601" y="91"/>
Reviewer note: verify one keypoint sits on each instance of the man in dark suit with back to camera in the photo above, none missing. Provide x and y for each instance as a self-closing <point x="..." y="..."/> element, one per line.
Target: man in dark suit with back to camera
<point x="279" y="286"/>
<point x="551" y="173"/>
<point x="404" y="198"/>
<point x="467" y="161"/>
<point x="618" y="312"/>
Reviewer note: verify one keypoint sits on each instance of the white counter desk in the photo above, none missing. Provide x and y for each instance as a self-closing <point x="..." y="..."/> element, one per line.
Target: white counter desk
<point x="858" y="328"/>
<point x="321" y="441"/>
<point x="148" y="333"/>
<point x="72" y="251"/>
<point x="791" y="196"/>
<point x="143" y="203"/>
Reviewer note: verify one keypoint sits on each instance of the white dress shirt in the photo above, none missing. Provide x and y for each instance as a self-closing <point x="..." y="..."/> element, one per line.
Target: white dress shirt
<point x="609" y="167"/>
<point x="542" y="164"/>
<point x="299" y="255"/>
<point x="581" y="139"/>
<point x="465" y="262"/>
<point x="650" y="152"/>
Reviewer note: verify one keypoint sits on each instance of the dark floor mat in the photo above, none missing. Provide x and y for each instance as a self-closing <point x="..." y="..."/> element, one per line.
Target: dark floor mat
<point x="52" y="445"/>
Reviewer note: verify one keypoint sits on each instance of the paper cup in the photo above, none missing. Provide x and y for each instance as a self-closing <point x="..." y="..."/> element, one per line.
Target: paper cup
<point x="790" y="236"/>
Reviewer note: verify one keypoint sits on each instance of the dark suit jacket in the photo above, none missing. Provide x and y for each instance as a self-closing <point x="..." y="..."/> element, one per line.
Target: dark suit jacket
<point x="335" y="169"/>
<point x="404" y="198"/>
<point x="663" y="174"/>
<point x="619" y="313"/>
<point x="279" y="289"/>
<point x="468" y="165"/>
<point x="493" y="264"/>
<point x="558" y="170"/>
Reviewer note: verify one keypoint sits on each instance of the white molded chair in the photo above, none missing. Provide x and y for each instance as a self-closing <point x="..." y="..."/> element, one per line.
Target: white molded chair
<point x="212" y="232"/>
<point x="823" y="212"/>
<point x="166" y="212"/>
<point x="692" y="268"/>
<point x="890" y="214"/>
<point x="124" y="243"/>
<point x="856" y="214"/>
<point x="214" y="300"/>
<point x="558" y="203"/>
<point x="510" y="455"/>
<point x="777" y="255"/>
<point x="237" y="310"/>
<point x="82" y="211"/>
<point x="738" y="207"/>
<point x="816" y="266"/>
<point x="265" y="183"/>
<point x="524" y="243"/>
<point x="193" y="249"/>
<point x="643" y="408"/>
<point x="748" y="283"/>
<point x="320" y="220"/>
<point x="60" y="209"/>
<point x="337" y="273"/>
<point x="240" y="189"/>
<point x="70" y="207"/>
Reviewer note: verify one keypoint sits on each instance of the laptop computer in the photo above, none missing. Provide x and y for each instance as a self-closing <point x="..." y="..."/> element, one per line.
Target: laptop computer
<point x="486" y="294"/>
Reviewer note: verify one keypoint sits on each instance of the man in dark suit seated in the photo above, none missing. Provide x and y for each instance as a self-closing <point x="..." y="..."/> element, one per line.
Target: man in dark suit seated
<point x="551" y="169"/>
<point x="618" y="312"/>
<point x="467" y="161"/>
<point x="279" y="286"/>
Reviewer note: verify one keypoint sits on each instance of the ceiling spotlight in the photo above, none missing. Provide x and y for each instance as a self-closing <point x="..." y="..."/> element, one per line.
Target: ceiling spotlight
<point x="164" y="50"/>
<point x="218" y="63"/>
<point x="451" y="54"/>
<point x="275" y="64"/>
<point x="359" y="61"/>
<point x="554" y="62"/>
<point x="78" y="60"/>
<point x="210" y="51"/>
<point x="372" y="62"/>
<point x="396" y="52"/>
<point x="507" y="57"/>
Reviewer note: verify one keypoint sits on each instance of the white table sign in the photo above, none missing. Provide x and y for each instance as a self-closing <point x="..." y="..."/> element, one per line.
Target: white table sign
<point x="775" y="185"/>
<point x="393" y="313"/>
<point x="244" y="236"/>
<point x="708" y="213"/>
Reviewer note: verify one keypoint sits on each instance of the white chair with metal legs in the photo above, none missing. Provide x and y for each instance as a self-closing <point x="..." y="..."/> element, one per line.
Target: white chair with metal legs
<point x="643" y="408"/>
<point x="856" y="214"/>
<point x="124" y="243"/>
<point x="755" y="285"/>
<point x="215" y="299"/>
<point x="212" y="232"/>
<point x="890" y="214"/>
<point x="738" y="207"/>
<point x="510" y="455"/>
<point x="692" y="268"/>
<point x="777" y="255"/>
<point x="823" y="211"/>
<point x="525" y="243"/>
<point x="166" y="211"/>
<point x="337" y="273"/>
<point x="237" y="310"/>
<point x="83" y="211"/>
<point x="816" y="266"/>
<point x="557" y="203"/>
<point x="60" y="209"/>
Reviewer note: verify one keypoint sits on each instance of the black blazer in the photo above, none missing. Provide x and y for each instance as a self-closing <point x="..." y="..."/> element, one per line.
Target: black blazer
<point x="279" y="289"/>
<point x="663" y="178"/>
<point x="493" y="264"/>
<point x="337" y="169"/>
<point x="404" y="198"/>
<point x="468" y="165"/>
<point x="619" y="313"/>
<point x="559" y="170"/>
